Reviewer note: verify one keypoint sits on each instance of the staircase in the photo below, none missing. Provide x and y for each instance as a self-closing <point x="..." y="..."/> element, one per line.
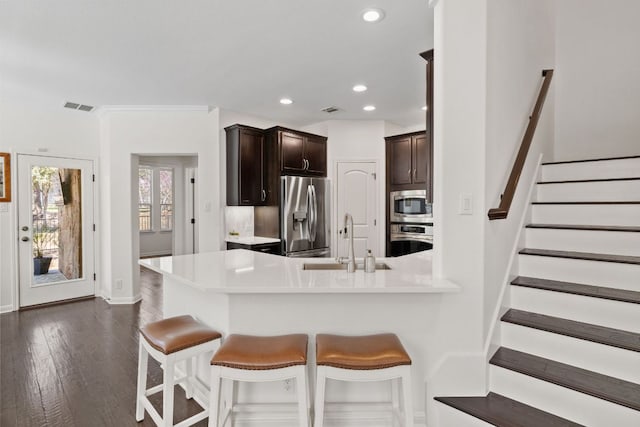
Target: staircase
<point x="570" y="351"/>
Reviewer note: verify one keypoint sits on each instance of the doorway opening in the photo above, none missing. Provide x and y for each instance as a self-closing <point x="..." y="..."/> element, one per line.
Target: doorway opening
<point x="165" y="192"/>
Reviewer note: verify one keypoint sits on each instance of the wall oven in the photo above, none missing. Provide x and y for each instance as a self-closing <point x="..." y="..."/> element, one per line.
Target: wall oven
<point x="409" y="206"/>
<point x="409" y="238"/>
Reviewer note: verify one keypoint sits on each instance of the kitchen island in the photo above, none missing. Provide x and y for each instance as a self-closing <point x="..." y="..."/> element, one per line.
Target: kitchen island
<point x="247" y="292"/>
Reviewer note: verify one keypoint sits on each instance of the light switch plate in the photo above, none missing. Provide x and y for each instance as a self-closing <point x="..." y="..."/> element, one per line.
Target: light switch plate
<point x="466" y="204"/>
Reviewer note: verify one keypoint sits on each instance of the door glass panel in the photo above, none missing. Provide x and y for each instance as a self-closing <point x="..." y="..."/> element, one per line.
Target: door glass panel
<point x="56" y="225"/>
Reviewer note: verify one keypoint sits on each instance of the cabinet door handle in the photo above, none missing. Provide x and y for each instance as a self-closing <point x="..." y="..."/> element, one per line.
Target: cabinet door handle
<point x="264" y="195"/>
<point x="415" y="174"/>
<point x="409" y="173"/>
<point x="306" y="164"/>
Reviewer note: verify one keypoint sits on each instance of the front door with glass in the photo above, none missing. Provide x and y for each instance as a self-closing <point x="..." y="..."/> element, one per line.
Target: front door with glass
<point x="55" y="212"/>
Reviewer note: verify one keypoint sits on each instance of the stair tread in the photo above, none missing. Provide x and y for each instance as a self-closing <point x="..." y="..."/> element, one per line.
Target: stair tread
<point x="623" y="295"/>
<point x="590" y="160"/>
<point x="604" y="387"/>
<point x="578" y="181"/>
<point x="626" y="228"/>
<point x="587" y="256"/>
<point x="585" y="331"/>
<point x="614" y="202"/>
<point x="501" y="411"/>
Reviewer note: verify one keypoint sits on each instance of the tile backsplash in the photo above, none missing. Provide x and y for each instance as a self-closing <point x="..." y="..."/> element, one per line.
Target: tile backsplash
<point x="238" y="219"/>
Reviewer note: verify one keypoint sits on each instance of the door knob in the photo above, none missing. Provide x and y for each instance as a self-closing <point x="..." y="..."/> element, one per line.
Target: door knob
<point x="25" y="228"/>
<point x="25" y="239"/>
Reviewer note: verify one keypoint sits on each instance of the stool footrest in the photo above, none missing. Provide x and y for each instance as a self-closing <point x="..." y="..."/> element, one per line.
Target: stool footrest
<point x="155" y="416"/>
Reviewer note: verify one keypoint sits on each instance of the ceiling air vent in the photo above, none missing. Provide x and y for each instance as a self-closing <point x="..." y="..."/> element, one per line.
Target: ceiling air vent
<point x="76" y="106"/>
<point x="330" y="109"/>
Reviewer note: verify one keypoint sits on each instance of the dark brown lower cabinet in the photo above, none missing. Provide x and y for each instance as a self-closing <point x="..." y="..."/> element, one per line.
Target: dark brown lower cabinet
<point x="268" y="248"/>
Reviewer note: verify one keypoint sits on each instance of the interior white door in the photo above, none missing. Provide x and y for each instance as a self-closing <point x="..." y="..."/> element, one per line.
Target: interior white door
<point x="357" y="195"/>
<point x="56" y="236"/>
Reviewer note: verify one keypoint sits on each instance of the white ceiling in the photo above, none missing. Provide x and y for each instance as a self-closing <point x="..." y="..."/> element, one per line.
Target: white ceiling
<point x="242" y="55"/>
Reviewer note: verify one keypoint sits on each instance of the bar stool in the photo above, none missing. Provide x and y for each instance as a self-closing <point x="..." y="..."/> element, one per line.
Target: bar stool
<point x="170" y="341"/>
<point x="259" y="359"/>
<point x="363" y="358"/>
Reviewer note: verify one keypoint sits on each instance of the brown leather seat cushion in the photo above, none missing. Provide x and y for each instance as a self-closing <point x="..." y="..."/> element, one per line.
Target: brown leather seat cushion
<point x="177" y="333"/>
<point x="262" y="353"/>
<point x="360" y="352"/>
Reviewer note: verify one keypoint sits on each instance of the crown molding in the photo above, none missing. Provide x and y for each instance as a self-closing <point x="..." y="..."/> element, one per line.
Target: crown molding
<point x="433" y="3"/>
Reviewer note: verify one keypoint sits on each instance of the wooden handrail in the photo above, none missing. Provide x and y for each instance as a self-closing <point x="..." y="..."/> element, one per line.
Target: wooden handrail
<point x="502" y="211"/>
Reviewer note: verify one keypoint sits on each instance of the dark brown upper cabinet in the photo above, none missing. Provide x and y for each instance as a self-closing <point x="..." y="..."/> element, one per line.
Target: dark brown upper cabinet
<point x="249" y="180"/>
<point x="301" y="153"/>
<point x="409" y="161"/>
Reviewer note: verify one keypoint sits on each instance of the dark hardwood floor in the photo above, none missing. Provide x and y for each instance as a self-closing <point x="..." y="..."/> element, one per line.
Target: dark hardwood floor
<point x="75" y="364"/>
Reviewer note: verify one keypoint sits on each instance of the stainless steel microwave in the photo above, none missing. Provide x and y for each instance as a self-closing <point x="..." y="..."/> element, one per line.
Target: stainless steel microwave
<point x="409" y="206"/>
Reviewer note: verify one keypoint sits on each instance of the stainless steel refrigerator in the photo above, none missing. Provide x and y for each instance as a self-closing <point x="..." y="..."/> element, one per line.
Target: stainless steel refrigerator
<point x="304" y="216"/>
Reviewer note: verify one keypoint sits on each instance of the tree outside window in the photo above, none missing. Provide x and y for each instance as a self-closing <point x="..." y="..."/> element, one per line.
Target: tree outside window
<point x="166" y="199"/>
<point x="145" y="189"/>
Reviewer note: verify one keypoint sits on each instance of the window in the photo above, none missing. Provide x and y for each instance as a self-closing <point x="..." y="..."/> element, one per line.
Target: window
<point x="145" y="189"/>
<point x="166" y="199"/>
<point x="155" y="198"/>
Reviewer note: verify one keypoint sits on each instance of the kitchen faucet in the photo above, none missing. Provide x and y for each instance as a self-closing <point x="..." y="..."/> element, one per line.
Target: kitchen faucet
<point x="348" y="221"/>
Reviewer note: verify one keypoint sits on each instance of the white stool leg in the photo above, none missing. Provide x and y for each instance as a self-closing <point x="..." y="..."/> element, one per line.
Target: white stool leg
<point x="318" y="418"/>
<point x="301" y="387"/>
<point x="214" y="396"/>
<point x="167" y="393"/>
<point x="143" y="359"/>
<point x="190" y="378"/>
<point x="395" y="398"/>
<point x="407" y="397"/>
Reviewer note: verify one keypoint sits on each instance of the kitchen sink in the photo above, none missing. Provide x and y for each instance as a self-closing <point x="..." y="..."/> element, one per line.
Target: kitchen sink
<point x="337" y="266"/>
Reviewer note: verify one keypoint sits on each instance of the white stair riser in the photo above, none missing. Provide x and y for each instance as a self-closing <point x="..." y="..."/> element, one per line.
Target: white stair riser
<point x="451" y="417"/>
<point x="625" y="168"/>
<point x="598" y="311"/>
<point x="607" y="360"/>
<point x="605" y="242"/>
<point x="586" y="214"/>
<point x="589" y="191"/>
<point x="598" y="273"/>
<point x="575" y="406"/>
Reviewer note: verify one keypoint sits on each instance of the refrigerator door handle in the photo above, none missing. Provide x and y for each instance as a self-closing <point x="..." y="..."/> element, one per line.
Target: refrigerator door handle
<point x="314" y="210"/>
<point x="310" y="212"/>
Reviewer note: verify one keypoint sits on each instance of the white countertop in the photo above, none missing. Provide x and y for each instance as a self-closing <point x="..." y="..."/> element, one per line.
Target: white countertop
<point x="250" y="240"/>
<point x="242" y="271"/>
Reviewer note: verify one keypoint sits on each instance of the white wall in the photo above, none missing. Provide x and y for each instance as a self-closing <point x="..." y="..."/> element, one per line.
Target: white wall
<point x="124" y="134"/>
<point x="25" y="129"/>
<point x="597" y="84"/>
<point x="460" y="80"/>
<point x="520" y="44"/>
<point x="356" y="140"/>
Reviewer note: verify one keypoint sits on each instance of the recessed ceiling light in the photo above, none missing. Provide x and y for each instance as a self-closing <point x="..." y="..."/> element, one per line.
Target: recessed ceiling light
<point x="359" y="88"/>
<point x="372" y="15"/>
<point x="286" y="101"/>
<point x="424" y="108"/>
<point x="369" y="107"/>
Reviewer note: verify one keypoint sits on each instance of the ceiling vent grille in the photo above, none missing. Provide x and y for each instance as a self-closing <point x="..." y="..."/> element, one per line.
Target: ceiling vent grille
<point x="330" y="109"/>
<point x="76" y="106"/>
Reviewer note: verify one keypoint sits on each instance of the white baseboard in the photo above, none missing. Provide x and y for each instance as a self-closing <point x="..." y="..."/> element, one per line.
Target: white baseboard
<point x="6" y="308"/>
<point x="124" y="300"/>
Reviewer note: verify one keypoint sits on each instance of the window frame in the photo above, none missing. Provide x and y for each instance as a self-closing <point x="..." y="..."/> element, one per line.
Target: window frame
<point x="156" y="206"/>
<point x="160" y="204"/>
<point x="151" y="200"/>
